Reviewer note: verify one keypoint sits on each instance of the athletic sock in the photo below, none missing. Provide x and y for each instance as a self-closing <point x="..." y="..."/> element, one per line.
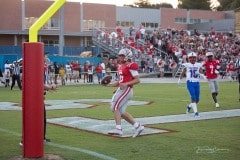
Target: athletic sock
<point x="119" y="127"/>
<point x="214" y="96"/>
<point x="194" y="107"/>
<point x="190" y="105"/>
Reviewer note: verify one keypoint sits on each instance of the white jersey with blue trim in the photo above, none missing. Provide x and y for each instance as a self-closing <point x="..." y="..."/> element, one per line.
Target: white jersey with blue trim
<point x="192" y="71"/>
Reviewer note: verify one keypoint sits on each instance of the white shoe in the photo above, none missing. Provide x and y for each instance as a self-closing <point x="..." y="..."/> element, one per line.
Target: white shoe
<point x="116" y="132"/>
<point x="217" y="105"/>
<point x="196" y="115"/>
<point x="138" y="131"/>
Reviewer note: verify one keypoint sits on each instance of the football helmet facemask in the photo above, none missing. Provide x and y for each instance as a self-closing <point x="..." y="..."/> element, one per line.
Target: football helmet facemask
<point x="127" y="53"/>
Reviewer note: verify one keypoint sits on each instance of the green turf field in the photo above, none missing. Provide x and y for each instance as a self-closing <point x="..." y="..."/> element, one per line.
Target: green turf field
<point x="215" y="139"/>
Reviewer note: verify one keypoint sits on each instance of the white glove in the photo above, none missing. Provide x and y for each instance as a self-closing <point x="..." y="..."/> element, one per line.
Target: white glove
<point x="216" y="71"/>
<point x="179" y="81"/>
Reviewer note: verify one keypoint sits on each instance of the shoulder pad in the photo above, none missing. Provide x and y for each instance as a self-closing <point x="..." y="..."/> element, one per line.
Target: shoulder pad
<point x="133" y="66"/>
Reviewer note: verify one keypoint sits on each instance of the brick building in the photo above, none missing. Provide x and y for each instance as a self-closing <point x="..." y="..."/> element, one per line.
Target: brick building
<point x="237" y="24"/>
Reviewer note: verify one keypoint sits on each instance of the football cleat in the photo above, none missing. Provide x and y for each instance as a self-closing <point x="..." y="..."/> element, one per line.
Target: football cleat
<point x="116" y="132"/>
<point x="47" y="140"/>
<point x="138" y="131"/>
<point x="196" y="115"/>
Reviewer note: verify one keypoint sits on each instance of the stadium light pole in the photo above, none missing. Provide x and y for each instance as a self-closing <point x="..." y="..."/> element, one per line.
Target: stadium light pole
<point x="33" y="86"/>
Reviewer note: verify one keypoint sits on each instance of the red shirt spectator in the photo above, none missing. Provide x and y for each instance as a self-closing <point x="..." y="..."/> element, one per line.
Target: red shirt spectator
<point x="76" y="66"/>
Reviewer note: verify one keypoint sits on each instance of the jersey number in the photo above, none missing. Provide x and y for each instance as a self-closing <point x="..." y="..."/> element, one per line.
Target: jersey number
<point x="194" y="73"/>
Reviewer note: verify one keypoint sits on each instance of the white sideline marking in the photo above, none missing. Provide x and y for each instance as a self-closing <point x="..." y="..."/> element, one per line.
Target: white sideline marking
<point x="102" y="126"/>
<point x="10" y="132"/>
<point x="95" y="154"/>
<point x="99" y="126"/>
<point x="92" y="153"/>
<point x="67" y="104"/>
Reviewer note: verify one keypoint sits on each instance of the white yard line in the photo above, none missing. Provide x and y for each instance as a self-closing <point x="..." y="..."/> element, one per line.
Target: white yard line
<point x="85" y="151"/>
<point x="101" y="126"/>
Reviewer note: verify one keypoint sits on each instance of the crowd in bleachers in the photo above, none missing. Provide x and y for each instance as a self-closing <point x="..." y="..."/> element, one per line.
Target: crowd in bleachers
<point x="166" y="49"/>
<point x="157" y="51"/>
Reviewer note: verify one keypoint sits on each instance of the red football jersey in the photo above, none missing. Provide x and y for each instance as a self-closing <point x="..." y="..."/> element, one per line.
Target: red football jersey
<point x="75" y="66"/>
<point x="124" y="72"/>
<point x="231" y="67"/>
<point x="210" y="67"/>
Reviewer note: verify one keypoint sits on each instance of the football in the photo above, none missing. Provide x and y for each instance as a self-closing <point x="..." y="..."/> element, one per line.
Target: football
<point x="106" y="80"/>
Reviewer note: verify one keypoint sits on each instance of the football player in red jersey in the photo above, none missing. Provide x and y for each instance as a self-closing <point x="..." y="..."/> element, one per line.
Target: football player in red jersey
<point x="128" y="77"/>
<point x="211" y="68"/>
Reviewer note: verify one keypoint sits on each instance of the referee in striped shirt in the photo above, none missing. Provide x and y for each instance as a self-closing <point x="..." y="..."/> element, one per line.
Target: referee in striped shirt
<point x="16" y="76"/>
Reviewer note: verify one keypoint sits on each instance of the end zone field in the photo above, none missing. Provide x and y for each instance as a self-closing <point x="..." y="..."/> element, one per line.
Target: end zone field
<point x="79" y="117"/>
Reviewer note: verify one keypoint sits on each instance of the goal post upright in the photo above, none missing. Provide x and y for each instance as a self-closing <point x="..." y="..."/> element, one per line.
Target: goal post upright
<point x="33" y="87"/>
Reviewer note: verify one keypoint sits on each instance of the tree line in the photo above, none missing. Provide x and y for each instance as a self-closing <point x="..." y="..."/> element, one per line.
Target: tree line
<point x="215" y="5"/>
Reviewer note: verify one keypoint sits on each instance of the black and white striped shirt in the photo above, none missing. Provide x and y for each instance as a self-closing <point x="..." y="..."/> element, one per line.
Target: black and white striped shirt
<point x="16" y="69"/>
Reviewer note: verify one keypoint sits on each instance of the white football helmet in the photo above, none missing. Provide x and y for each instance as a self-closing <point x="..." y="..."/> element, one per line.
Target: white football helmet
<point x="209" y="54"/>
<point x="126" y="52"/>
<point x="192" y="54"/>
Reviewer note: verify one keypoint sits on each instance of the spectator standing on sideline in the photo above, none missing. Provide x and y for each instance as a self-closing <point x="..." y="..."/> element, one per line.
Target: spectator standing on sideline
<point x="211" y="70"/>
<point x="80" y="71"/>
<point x="128" y="77"/>
<point x="16" y="75"/>
<point x="7" y="79"/>
<point x="7" y="73"/>
<point x="68" y="71"/>
<point x="98" y="70"/>
<point x="56" y="72"/>
<point x="115" y="66"/>
<point x="75" y="68"/>
<point x="51" y="73"/>
<point x="47" y="62"/>
<point x="193" y="71"/>
<point x="90" y="74"/>
<point x="85" y="70"/>
<point x="46" y="76"/>
<point x="62" y="74"/>
<point x="1" y="77"/>
<point x="103" y="69"/>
